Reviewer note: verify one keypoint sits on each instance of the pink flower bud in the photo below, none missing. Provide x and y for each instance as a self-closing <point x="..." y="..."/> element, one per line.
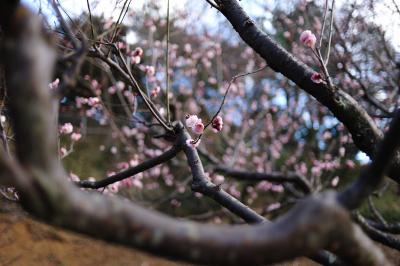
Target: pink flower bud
<point x="308" y="38"/>
<point x="137" y="52"/>
<point x="63" y="151"/>
<point x="150" y="71"/>
<point x="155" y="91"/>
<point x="198" y="128"/>
<point x="316" y="77"/>
<point x="217" y="124"/>
<point x="54" y="85"/>
<point x="135" y="60"/>
<point x="76" y="136"/>
<point x="67" y="128"/>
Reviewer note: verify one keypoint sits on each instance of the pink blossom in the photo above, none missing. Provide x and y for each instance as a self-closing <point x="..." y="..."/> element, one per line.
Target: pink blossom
<point x="121" y="45"/>
<point x="191" y="143"/>
<point x="191" y="120"/>
<point x="273" y="206"/>
<point x="308" y="38"/>
<point x="135" y="60"/>
<point x="218" y="179"/>
<point x="150" y="71"/>
<point x="63" y="151"/>
<point x="217" y="124"/>
<point x="335" y="181"/>
<point x="350" y="164"/>
<point x="155" y="91"/>
<point x="67" y="128"/>
<point x="137" y="52"/>
<point x="73" y="177"/>
<point x="76" y="136"/>
<point x="120" y="85"/>
<point x="113" y="150"/>
<point x="112" y="90"/>
<point x="316" y="77"/>
<point x="126" y="182"/>
<point x="137" y="183"/>
<point x="92" y="101"/>
<point x="198" y="127"/>
<point x="54" y="85"/>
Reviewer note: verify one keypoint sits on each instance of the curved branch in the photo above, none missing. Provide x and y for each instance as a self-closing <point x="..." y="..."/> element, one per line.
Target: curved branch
<point x="377" y="235"/>
<point x="393" y="228"/>
<point x="353" y="196"/>
<point x="166" y="156"/>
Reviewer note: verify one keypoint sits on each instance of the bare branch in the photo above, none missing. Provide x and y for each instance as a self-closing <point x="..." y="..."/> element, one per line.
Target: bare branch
<point x="168" y="155"/>
<point x="377" y="235"/>
<point x="372" y="176"/>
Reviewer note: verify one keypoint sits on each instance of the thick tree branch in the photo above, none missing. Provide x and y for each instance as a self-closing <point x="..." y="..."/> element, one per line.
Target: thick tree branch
<point x="353" y="196"/>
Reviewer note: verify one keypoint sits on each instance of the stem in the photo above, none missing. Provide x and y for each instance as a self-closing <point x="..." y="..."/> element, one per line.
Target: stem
<point x="330" y="34"/>
<point x="167" y="68"/>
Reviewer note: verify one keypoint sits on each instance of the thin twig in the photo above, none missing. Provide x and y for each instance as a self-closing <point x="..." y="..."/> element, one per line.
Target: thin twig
<point x="323" y="25"/>
<point x="226" y="93"/>
<point x="330" y="33"/>
<point x="167" y="67"/>
<point x="90" y="18"/>
<point x="213" y="4"/>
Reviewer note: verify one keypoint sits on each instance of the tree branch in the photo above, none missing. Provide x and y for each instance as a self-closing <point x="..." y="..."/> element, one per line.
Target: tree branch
<point x="377" y="235"/>
<point x="279" y="177"/>
<point x="166" y="156"/>
<point x="353" y="196"/>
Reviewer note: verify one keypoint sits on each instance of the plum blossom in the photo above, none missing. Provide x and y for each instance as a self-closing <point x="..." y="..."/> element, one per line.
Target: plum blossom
<point x="273" y="206"/>
<point x="113" y="150"/>
<point x="308" y="38"/>
<point x="191" y="120"/>
<point x="136" y="55"/>
<point x="350" y="164"/>
<point x="217" y="124"/>
<point x="76" y="136"/>
<point x="93" y="101"/>
<point x="73" y="177"/>
<point x="155" y="91"/>
<point x="335" y="181"/>
<point x="54" y="85"/>
<point x="137" y="52"/>
<point x="63" y="152"/>
<point x="66" y="129"/>
<point x="120" y="85"/>
<point x="316" y="77"/>
<point x="198" y="127"/>
<point x="135" y="60"/>
<point x="195" y="123"/>
<point x="150" y="71"/>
